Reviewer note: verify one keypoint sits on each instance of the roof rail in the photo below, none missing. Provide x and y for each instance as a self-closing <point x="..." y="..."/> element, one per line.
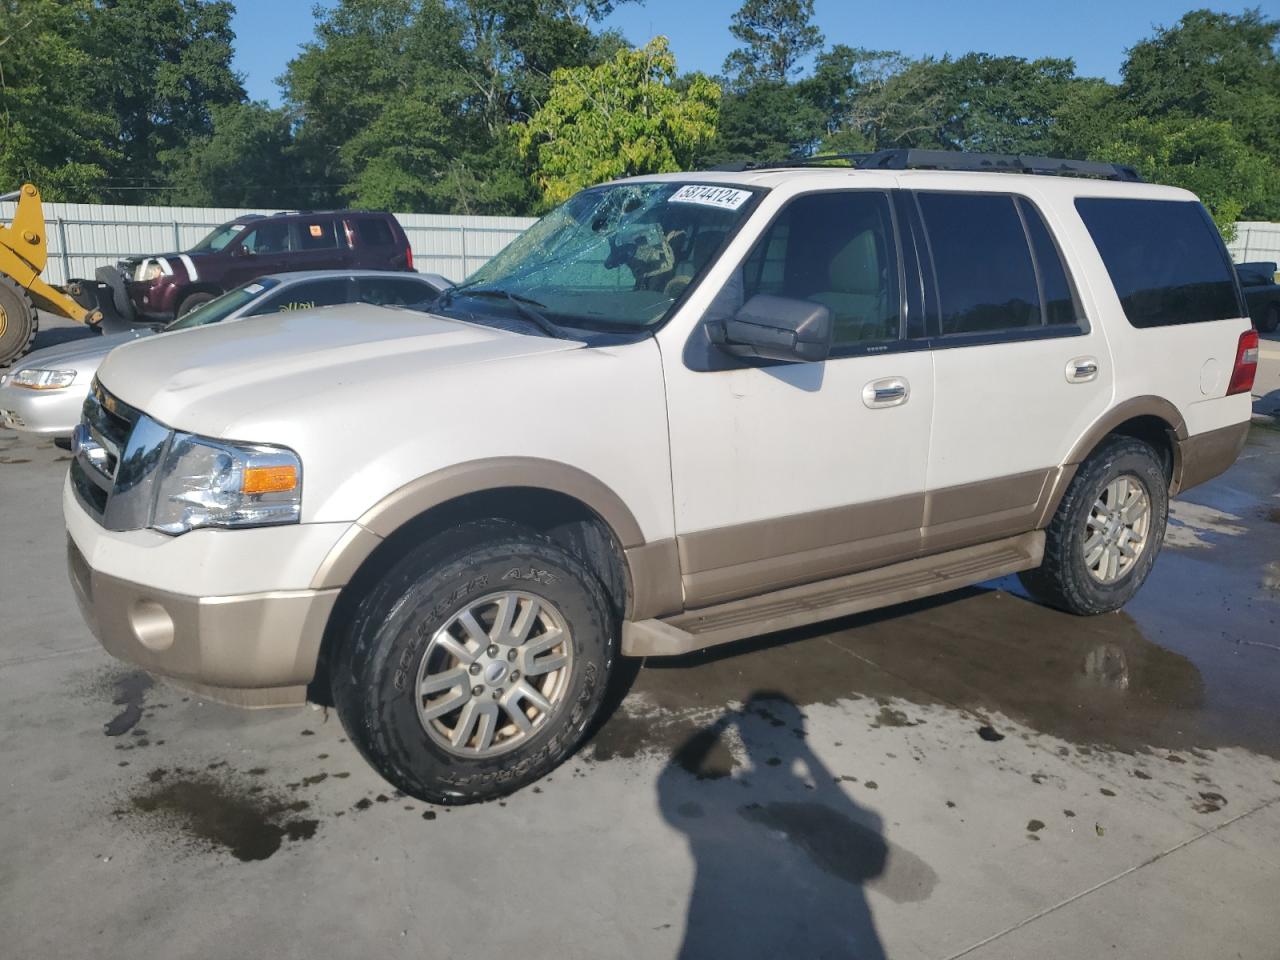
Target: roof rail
<point x="911" y="159"/>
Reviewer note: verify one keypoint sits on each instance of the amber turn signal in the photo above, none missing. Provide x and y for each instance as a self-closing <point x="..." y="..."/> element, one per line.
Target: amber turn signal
<point x="269" y="479"/>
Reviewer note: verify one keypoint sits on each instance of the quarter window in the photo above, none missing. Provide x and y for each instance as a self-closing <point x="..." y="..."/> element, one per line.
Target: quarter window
<point x="1165" y="259"/>
<point x="836" y="249"/>
<point x="985" y="276"/>
<point x="372" y="233"/>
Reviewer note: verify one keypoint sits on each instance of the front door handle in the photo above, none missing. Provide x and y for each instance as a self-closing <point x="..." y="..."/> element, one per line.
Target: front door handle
<point x="890" y="392"/>
<point x="1082" y="369"/>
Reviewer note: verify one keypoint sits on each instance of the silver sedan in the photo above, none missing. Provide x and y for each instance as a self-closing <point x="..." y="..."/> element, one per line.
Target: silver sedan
<point x="44" y="391"/>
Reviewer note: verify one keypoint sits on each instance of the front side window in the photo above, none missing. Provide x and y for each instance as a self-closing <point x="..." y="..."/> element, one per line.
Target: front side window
<point x="268" y="238"/>
<point x="617" y="256"/>
<point x="1165" y="259"/>
<point x="306" y="295"/>
<point x="985" y="277"/>
<point x="836" y="249"/>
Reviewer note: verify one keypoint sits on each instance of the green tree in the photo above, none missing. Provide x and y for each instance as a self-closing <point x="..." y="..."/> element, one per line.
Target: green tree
<point x="776" y="36"/>
<point x="1204" y="156"/>
<point x="622" y="118"/>
<point x="245" y="161"/>
<point x="162" y="68"/>
<point x="768" y="120"/>
<point x="52" y="129"/>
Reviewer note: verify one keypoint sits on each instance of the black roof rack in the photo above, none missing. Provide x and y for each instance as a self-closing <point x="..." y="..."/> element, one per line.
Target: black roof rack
<point x="955" y="160"/>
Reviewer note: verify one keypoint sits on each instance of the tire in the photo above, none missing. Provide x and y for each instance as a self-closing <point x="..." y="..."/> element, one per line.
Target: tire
<point x="194" y="300"/>
<point x="1064" y="579"/>
<point x="393" y="637"/>
<point x="18" y="321"/>
<point x="1271" y="320"/>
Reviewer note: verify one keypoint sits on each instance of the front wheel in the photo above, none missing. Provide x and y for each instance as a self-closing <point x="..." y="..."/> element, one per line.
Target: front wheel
<point x="1102" y="541"/>
<point x="476" y="664"/>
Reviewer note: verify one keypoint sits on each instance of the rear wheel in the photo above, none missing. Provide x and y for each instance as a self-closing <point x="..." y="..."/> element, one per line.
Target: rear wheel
<point x="194" y="300"/>
<point x="18" y="321"/>
<point x="1270" y="320"/>
<point x="476" y="664"/>
<point x="1102" y="541"/>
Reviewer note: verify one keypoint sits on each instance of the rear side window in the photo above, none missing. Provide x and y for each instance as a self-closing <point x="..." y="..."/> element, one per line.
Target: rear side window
<point x="318" y="234"/>
<point x="373" y="233"/>
<point x="1166" y="260"/>
<point x="985" y="276"/>
<point x="394" y="291"/>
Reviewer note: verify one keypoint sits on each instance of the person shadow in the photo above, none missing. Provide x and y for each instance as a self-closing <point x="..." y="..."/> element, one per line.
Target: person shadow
<point x="781" y="854"/>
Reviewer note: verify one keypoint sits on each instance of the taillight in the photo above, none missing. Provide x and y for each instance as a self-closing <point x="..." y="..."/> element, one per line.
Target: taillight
<point x="1246" y="367"/>
<point x="408" y="259"/>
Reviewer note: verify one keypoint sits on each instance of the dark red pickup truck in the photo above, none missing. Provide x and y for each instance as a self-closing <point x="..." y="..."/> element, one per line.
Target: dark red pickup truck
<point x="167" y="285"/>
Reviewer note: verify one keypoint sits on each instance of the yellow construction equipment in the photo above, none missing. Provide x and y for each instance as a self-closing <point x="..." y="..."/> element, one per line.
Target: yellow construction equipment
<point x="24" y="250"/>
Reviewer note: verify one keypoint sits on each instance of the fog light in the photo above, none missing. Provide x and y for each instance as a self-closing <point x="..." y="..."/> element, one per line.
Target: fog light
<point x="151" y="624"/>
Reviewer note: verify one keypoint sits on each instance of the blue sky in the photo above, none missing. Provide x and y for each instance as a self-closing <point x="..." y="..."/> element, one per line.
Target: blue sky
<point x="1094" y="32"/>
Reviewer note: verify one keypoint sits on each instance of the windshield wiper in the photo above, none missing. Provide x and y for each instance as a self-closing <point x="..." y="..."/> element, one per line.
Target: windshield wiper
<point x="524" y="306"/>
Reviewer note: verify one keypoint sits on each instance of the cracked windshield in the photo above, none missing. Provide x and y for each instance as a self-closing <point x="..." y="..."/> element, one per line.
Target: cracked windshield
<point x="616" y="256"/>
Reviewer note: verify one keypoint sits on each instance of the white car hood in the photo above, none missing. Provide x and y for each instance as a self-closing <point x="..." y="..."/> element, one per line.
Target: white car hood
<point x="208" y="379"/>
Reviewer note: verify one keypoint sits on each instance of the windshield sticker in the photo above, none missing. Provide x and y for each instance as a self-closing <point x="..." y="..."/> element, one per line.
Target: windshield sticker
<point x="254" y="288"/>
<point x="726" y="198"/>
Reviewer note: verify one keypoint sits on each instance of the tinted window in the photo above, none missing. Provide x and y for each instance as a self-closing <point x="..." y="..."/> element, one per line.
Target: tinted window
<point x="393" y="291"/>
<point x="268" y="238"/>
<point x="985" y="276"/>
<point x="318" y="234"/>
<point x="1059" y="304"/>
<point x="836" y="249"/>
<point x="373" y="233"/>
<point x="220" y="308"/>
<point x="1165" y="259"/>
<point x="304" y="296"/>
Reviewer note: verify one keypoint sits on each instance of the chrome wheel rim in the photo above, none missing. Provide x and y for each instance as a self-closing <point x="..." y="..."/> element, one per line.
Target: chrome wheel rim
<point x="494" y="674"/>
<point x="1117" y="529"/>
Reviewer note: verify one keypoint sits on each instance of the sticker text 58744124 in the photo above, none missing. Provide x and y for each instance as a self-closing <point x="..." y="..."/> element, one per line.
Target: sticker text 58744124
<point x="726" y="198"/>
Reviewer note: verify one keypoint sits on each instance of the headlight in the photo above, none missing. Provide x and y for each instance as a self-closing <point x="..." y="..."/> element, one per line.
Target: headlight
<point x="36" y="378"/>
<point x="209" y="483"/>
<point x="148" y="270"/>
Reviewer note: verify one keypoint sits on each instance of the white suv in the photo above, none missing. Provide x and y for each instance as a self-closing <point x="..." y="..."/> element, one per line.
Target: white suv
<point x="678" y="411"/>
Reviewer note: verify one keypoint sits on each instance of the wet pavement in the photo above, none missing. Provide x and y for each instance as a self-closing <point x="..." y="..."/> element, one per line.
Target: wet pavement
<point x="969" y="775"/>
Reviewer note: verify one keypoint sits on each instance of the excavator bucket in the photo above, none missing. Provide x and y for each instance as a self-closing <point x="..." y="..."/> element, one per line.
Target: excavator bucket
<point x="24" y="251"/>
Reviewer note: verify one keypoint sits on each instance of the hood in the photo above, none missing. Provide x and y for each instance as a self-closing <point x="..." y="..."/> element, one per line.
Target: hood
<point x="206" y="379"/>
<point x="74" y="353"/>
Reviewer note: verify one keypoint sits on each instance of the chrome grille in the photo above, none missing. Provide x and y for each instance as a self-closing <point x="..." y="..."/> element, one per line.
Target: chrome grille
<point x="117" y="449"/>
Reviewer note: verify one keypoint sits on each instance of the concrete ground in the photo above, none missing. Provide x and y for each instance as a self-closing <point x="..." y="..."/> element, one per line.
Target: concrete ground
<point x="973" y="775"/>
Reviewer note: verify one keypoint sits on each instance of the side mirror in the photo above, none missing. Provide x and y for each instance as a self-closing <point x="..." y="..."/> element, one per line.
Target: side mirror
<point x="779" y="328"/>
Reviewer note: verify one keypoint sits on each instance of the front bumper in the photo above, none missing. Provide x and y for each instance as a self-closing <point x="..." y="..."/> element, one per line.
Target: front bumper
<point x="46" y="413"/>
<point x="230" y="614"/>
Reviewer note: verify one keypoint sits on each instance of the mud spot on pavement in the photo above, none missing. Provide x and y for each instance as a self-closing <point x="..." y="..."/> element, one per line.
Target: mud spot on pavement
<point x="846" y="849"/>
<point x="706" y="755"/>
<point x="217" y="813"/>
<point x="990" y="734"/>
<point x="1210" y="802"/>
<point x="889" y="717"/>
<point x="130" y="691"/>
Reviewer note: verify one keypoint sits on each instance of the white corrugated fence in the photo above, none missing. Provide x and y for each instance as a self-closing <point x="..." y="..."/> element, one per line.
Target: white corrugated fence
<point x="85" y="236"/>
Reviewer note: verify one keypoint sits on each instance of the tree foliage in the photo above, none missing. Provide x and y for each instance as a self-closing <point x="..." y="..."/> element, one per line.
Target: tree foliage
<point x="622" y="118"/>
<point x="776" y="35"/>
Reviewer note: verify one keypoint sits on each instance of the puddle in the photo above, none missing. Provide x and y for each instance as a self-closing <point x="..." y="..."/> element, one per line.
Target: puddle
<point x="1195" y="525"/>
<point x="217" y="812"/>
<point x="1192" y="661"/>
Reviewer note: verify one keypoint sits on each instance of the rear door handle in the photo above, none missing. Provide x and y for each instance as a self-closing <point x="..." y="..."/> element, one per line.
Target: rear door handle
<point x="1082" y="369"/>
<point x="890" y="392"/>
